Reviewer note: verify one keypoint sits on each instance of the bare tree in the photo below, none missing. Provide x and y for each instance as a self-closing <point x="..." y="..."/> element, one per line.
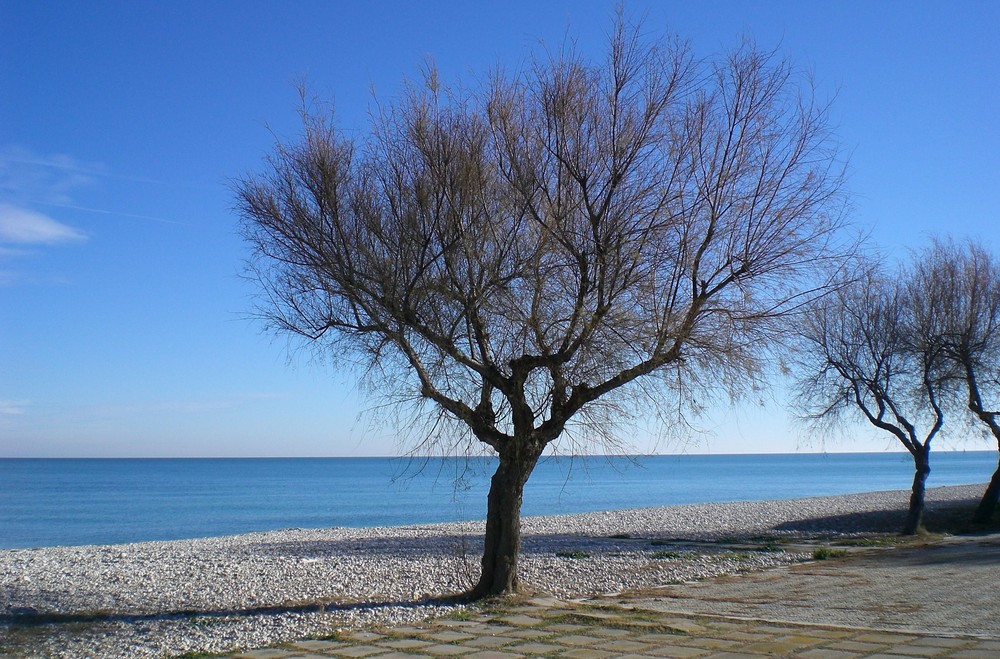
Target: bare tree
<point x="860" y="351"/>
<point x="962" y="291"/>
<point x="541" y="255"/>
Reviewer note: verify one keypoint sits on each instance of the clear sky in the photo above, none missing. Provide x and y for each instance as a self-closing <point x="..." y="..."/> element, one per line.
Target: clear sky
<point x="123" y="319"/>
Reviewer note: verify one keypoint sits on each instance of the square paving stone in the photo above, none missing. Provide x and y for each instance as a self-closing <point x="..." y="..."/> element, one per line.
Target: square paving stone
<point x="826" y="653"/>
<point x="566" y="628"/>
<point x="405" y="643"/>
<point x="599" y="615"/>
<point x="492" y="654"/>
<point x="318" y="645"/>
<point x="491" y="641"/>
<point x="778" y="630"/>
<point x="748" y="637"/>
<point x="535" y="648"/>
<point x="677" y="651"/>
<point x="587" y="653"/>
<point x="612" y="632"/>
<point x="623" y="645"/>
<point x="491" y="628"/>
<point x="553" y="612"/>
<point x="522" y="620"/>
<point x="856" y="646"/>
<point x="776" y="647"/>
<point x="443" y="650"/>
<point x="449" y="636"/>
<point x="683" y="624"/>
<point x="911" y="650"/>
<point x="832" y="634"/>
<point x="364" y="637"/>
<point x="941" y="641"/>
<point x="265" y="653"/>
<point x="707" y="643"/>
<point x="578" y="640"/>
<point x="659" y="639"/>
<point x="528" y="633"/>
<point x="885" y="638"/>
<point x="358" y="651"/>
<point x="973" y="653"/>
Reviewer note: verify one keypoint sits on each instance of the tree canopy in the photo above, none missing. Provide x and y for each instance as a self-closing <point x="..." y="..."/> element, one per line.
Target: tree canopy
<point x="865" y="350"/>
<point x="542" y="250"/>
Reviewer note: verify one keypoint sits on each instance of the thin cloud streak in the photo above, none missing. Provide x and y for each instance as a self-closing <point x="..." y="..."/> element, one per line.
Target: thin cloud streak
<point x="102" y="211"/>
<point x="89" y="171"/>
<point x="23" y="176"/>
<point x="20" y="226"/>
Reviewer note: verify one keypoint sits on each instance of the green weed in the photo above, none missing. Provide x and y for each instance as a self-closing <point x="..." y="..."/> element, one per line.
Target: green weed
<point x="825" y="553"/>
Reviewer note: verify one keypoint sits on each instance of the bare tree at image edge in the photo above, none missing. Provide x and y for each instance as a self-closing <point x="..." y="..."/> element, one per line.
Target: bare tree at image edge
<point x="962" y="292"/>
<point x="861" y="351"/>
<point x="540" y="257"/>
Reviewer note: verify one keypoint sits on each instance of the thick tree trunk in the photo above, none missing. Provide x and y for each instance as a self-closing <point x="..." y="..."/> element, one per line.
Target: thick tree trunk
<point x="503" y="525"/>
<point x="915" y="515"/>
<point x="988" y="504"/>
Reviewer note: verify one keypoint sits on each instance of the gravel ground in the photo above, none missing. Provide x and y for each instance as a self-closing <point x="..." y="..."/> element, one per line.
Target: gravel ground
<point x="215" y="594"/>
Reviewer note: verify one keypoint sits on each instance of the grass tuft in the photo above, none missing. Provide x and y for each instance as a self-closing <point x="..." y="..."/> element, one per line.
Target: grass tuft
<point x="665" y="554"/>
<point x="572" y="554"/>
<point x="825" y="553"/>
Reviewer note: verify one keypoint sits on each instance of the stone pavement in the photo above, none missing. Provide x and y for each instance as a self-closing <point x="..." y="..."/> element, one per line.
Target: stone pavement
<point x="584" y="630"/>
<point x="949" y="586"/>
<point x="928" y="601"/>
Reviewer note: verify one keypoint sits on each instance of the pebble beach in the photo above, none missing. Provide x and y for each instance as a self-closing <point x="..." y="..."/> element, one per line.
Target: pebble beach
<point x="157" y="599"/>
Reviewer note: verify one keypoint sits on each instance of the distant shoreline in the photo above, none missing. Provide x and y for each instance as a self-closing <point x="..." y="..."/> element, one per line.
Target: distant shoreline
<point x="147" y="595"/>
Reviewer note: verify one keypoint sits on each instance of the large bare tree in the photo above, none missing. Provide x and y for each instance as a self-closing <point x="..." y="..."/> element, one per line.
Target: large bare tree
<point x="543" y="254"/>
<point x="861" y="352"/>
<point x="961" y="290"/>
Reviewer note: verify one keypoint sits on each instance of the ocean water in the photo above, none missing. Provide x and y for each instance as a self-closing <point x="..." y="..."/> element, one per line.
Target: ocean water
<point x="50" y="502"/>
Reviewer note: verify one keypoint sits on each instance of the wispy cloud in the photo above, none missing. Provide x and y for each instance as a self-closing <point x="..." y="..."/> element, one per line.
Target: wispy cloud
<point x="20" y="226"/>
<point x="12" y="407"/>
<point x="29" y="180"/>
<point x="27" y="177"/>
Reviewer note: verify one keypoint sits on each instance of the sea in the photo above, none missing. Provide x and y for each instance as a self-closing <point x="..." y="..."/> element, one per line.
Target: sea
<point x="56" y="502"/>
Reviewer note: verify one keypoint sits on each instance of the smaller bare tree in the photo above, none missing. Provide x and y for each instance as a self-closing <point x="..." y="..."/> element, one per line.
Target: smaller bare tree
<point x="859" y="352"/>
<point x="961" y="303"/>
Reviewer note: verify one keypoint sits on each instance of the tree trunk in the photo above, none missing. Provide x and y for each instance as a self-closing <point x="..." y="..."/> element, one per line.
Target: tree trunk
<point x="988" y="504"/>
<point x="915" y="515"/>
<point x="503" y="524"/>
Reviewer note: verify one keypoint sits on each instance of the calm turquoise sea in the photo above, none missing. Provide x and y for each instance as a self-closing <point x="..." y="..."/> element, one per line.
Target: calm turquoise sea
<point x="95" y="501"/>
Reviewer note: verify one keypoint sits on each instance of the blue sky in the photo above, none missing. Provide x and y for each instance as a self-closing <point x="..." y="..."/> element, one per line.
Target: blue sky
<point x="123" y="319"/>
